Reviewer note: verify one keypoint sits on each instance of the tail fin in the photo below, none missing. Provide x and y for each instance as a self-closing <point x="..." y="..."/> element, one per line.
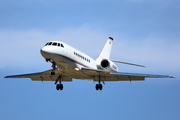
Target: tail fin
<point x="106" y="52"/>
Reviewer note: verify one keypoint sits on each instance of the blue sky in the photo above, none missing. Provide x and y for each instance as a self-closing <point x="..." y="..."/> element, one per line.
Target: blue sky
<point x="145" y="32"/>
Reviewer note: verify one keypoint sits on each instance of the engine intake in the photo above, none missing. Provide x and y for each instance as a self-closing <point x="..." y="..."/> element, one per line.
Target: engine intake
<point x="105" y="63"/>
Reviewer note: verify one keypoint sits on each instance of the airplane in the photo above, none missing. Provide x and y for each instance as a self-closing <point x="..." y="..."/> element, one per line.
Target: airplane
<point x="69" y="63"/>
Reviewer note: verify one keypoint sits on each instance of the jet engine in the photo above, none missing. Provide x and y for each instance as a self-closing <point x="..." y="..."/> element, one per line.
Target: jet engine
<point x="107" y="65"/>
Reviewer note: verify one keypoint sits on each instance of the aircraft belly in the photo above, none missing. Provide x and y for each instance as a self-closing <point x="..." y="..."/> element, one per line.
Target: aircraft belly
<point x="67" y="68"/>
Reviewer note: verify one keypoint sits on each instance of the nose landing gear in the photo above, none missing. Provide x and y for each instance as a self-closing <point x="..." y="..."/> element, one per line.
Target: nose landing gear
<point x="53" y="73"/>
<point x="60" y="85"/>
<point x="54" y="67"/>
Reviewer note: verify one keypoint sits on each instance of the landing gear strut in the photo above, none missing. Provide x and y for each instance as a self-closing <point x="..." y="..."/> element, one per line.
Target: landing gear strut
<point x="54" y="67"/>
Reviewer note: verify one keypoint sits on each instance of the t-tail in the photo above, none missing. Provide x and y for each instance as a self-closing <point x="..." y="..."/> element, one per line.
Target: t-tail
<point x="104" y="62"/>
<point x="106" y="52"/>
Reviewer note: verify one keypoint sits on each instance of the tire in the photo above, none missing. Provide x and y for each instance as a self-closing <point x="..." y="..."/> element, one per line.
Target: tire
<point x="61" y="86"/>
<point x="100" y="86"/>
<point x="97" y="87"/>
<point x="57" y="87"/>
<point x="52" y="73"/>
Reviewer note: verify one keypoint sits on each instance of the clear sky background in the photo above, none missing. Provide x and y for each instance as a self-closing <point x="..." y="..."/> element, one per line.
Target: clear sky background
<point x="145" y="32"/>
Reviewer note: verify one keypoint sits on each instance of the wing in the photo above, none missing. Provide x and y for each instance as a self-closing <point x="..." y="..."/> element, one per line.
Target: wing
<point x="41" y="76"/>
<point x="92" y="74"/>
<point x="119" y="76"/>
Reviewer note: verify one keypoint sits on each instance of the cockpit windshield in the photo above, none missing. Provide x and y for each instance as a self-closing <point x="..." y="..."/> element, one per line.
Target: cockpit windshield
<point x="54" y="44"/>
<point x="47" y="44"/>
<point x="50" y="43"/>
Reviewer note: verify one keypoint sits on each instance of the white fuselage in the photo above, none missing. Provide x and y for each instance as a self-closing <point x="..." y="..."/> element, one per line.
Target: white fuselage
<point x="67" y="58"/>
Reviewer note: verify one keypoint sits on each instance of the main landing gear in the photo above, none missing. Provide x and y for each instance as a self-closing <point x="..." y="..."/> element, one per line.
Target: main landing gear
<point x="60" y="85"/>
<point x="99" y="86"/>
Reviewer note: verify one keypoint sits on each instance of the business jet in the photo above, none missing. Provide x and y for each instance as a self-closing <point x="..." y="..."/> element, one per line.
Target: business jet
<point x="68" y="63"/>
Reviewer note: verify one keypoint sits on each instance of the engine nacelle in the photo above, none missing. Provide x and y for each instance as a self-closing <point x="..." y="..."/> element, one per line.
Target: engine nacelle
<point x="107" y="65"/>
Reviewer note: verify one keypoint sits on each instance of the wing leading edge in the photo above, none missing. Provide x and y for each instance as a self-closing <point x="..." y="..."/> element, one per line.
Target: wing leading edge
<point x="41" y="76"/>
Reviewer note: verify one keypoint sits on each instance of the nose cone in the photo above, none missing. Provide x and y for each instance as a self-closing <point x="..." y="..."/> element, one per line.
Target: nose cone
<point x="44" y="52"/>
<point x="44" y="49"/>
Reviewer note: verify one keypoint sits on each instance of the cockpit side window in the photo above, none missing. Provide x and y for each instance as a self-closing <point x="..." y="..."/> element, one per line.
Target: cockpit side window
<point x="54" y="44"/>
<point x="62" y="45"/>
<point x="47" y="44"/>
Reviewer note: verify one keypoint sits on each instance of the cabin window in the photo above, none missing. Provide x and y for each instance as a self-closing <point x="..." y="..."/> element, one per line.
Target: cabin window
<point x="82" y="57"/>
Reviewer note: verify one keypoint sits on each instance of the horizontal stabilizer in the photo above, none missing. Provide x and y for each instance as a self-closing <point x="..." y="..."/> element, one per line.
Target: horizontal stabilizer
<point x="128" y="63"/>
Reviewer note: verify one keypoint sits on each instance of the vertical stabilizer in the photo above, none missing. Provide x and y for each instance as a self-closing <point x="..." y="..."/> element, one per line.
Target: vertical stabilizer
<point x="106" y="52"/>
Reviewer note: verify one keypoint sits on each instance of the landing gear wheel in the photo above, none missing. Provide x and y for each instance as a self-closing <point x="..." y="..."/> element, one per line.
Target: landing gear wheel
<point x="52" y="73"/>
<point x="47" y="60"/>
<point x="59" y="87"/>
<point x="99" y="87"/>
